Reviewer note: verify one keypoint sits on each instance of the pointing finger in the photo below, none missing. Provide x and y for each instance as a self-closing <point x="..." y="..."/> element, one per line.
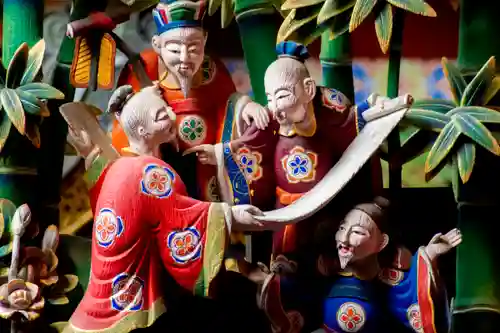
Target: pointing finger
<point x="197" y="149"/>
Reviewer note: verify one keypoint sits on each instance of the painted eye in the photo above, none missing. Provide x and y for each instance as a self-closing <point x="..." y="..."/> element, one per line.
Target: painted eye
<point x="282" y="96"/>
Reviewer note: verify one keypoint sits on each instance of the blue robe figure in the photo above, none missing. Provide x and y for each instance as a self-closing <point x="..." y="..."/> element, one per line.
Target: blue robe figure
<point x="405" y="297"/>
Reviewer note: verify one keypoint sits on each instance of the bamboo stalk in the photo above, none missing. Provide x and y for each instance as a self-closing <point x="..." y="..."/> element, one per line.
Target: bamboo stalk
<point x="394" y="143"/>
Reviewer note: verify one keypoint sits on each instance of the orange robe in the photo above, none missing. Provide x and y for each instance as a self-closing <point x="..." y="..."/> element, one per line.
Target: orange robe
<point x="145" y="222"/>
<point x="205" y="117"/>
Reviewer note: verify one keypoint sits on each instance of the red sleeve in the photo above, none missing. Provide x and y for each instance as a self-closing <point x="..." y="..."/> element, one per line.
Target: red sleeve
<point x="190" y="234"/>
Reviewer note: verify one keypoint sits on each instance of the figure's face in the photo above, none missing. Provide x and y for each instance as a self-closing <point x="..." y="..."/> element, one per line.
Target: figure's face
<point x="156" y="119"/>
<point x="182" y="50"/>
<point x="358" y="237"/>
<point x="288" y="95"/>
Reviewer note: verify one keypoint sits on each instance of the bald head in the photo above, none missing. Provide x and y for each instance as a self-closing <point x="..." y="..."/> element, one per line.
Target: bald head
<point x="289" y="89"/>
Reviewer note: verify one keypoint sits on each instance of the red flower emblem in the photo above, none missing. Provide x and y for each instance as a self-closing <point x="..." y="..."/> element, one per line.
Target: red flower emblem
<point x="351" y="317"/>
<point x="415" y="318"/>
<point x="157" y="182"/>
<point x="106" y="227"/>
<point x="185" y="245"/>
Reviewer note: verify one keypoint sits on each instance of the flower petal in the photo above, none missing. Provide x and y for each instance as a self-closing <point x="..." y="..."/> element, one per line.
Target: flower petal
<point x="33" y="288"/>
<point x="16" y="284"/>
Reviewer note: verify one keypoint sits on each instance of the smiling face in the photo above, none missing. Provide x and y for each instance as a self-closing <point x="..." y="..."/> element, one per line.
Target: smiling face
<point x="358" y="237"/>
<point x="147" y="117"/>
<point x="289" y="90"/>
<point x="182" y="52"/>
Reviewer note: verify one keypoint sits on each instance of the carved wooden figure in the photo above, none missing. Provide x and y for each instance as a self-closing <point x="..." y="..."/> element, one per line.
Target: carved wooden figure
<point x="198" y="88"/>
<point x="373" y="294"/>
<point x="144" y="221"/>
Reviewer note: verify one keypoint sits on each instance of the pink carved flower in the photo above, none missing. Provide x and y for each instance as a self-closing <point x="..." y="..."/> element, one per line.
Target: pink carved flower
<point x="157" y="181"/>
<point x="19" y="297"/>
<point x="351" y="318"/>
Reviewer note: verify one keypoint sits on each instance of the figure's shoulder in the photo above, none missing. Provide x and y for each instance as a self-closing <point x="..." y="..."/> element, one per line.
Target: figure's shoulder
<point x="150" y="61"/>
<point x="332" y="99"/>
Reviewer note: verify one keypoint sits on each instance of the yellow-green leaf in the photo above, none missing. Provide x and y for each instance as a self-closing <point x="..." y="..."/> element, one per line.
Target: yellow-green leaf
<point x="492" y="90"/>
<point x="455" y="177"/>
<point x="455" y="80"/>
<point x="443" y="145"/>
<point x="59" y="326"/>
<point x="361" y="10"/>
<point x="71" y="282"/>
<point x="473" y="128"/>
<point x="42" y="90"/>
<point x="294" y="4"/>
<point x="413" y="146"/>
<point x="296" y="20"/>
<point x="17" y="66"/>
<point x="333" y="8"/>
<point x="7" y="210"/>
<point x="4" y="271"/>
<point x="427" y="119"/>
<point x="466" y="157"/>
<point x="5" y="125"/>
<point x="213" y="5"/>
<point x="475" y="91"/>
<point x="31" y="104"/>
<point x="435" y="104"/>
<point x="483" y="114"/>
<point x="33" y="134"/>
<point x="415" y="6"/>
<point x="383" y="27"/>
<point x="14" y="108"/>
<point x="35" y="58"/>
<point x="340" y="24"/>
<point x="227" y="13"/>
<point x="59" y="300"/>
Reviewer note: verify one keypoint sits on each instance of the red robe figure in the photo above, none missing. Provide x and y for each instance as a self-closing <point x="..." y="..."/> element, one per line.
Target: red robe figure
<point x="146" y="226"/>
<point x="198" y="88"/>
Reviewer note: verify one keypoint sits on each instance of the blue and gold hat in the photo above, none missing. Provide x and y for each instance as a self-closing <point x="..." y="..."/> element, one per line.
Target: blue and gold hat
<point x="293" y="50"/>
<point x="171" y="14"/>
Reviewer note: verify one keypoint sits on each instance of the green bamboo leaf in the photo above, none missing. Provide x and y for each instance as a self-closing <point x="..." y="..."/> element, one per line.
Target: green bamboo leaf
<point x="339" y="24"/>
<point x="415" y="145"/>
<point x="7" y="210"/>
<point x="213" y="5"/>
<point x="5" y="125"/>
<point x="482" y="114"/>
<point x="455" y="177"/>
<point x="473" y="128"/>
<point x="227" y="13"/>
<point x="333" y="8"/>
<point x="295" y="4"/>
<point x="70" y="283"/>
<point x="17" y="66"/>
<point x="476" y="90"/>
<point x="42" y="90"/>
<point x="59" y="326"/>
<point x="466" y="158"/>
<point x="435" y="104"/>
<point x="415" y="6"/>
<point x="426" y="119"/>
<point x="33" y="134"/>
<point x="443" y="145"/>
<point x="35" y="58"/>
<point x="492" y="90"/>
<point x="383" y="27"/>
<point x="455" y="80"/>
<point x="31" y="104"/>
<point x="59" y="300"/>
<point x="14" y="109"/>
<point x="296" y="20"/>
<point x="361" y="10"/>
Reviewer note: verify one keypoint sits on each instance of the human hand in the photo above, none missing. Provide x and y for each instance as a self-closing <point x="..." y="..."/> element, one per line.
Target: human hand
<point x="441" y="244"/>
<point x="205" y="154"/>
<point x="256" y="113"/>
<point x="243" y="218"/>
<point x="80" y="140"/>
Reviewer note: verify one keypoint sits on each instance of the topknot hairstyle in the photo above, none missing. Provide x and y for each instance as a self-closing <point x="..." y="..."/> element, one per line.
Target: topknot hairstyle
<point x="119" y="98"/>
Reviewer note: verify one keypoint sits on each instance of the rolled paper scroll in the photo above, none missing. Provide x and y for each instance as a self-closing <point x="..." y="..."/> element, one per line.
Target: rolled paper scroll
<point x="356" y="155"/>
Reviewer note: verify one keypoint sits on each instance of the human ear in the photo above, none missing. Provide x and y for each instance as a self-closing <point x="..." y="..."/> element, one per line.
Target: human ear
<point x="310" y="88"/>
<point x="156" y="43"/>
<point x="141" y="131"/>
<point x="384" y="242"/>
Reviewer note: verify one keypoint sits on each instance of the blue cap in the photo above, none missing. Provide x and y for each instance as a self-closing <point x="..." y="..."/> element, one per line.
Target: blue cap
<point x="293" y="50"/>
